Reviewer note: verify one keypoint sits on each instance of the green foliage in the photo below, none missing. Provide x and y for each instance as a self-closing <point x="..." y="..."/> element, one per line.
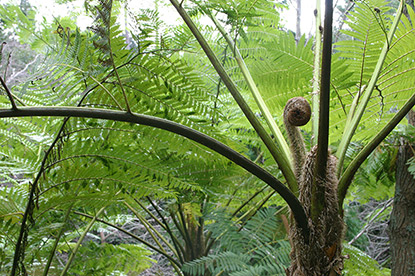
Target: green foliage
<point x="408" y="132"/>
<point x="254" y="249"/>
<point x="359" y="263"/>
<point x="354" y="225"/>
<point x="11" y="212"/>
<point x="369" y="24"/>
<point x="376" y="176"/>
<point x="251" y="249"/>
<point x="411" y="168"/>
<point x="109" y="259"/>
<point x="260" y="17"/>
<point x="107" y="37"/>
<point x="39" y="35"/>
<point x="97" y="163"/>
<point x="23" y="24"/>
<point x="285" y="73"/>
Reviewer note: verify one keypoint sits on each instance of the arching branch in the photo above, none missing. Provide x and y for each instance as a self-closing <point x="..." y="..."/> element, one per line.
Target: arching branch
<point x="179" y="129"/>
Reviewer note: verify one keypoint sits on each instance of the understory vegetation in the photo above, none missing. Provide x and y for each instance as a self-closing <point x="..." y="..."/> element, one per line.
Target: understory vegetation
<point x="139" y="146"/>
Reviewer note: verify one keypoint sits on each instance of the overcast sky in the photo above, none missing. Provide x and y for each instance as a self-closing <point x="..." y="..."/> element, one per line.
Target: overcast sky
<point x="49" y="9"/>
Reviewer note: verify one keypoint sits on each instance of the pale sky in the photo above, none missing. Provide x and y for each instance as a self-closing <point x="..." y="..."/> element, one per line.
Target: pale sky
<point x="49" y="9"/>
<point x="307" y="16"/>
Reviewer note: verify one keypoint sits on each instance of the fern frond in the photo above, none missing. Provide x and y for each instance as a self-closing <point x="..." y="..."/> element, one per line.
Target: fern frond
<point x="369" y="27"/>
<point x="255" y="248"/>
<point x="360" y="263"/>
<point x="225" y="261"/>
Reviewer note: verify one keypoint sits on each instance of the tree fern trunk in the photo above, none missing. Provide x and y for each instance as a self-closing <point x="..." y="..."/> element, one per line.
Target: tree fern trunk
<point x="402" y="223"/>
<point x="195" y="248"/>
<point x="321" y="255"/>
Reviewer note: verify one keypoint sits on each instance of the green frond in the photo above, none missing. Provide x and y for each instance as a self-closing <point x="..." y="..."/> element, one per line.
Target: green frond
<point x="106" y="259"/>
<point x="265" y="23"/>
<point x="284" y="71"/>
<point x="86" y="199"/>
<point x="411" y="166"/>
<point x="359" y="263"/>
<point x="376" y="175"/>
<point x="12" y="204"/>
<point x="171" y="88"/>
<point x="254" y="248"/>
<point x="148" y="31"/>
<point x="11" y="213"/>
<point x="369" y="27"/>
<point x="368" y="33"/>
<point x="145" y="166"/>
<point x="22" y="23"/>
<point x="11" y="135"/>
<point x="61" y="77"/>
<point x="225" y="261"/>
<point x="22" y="140"/>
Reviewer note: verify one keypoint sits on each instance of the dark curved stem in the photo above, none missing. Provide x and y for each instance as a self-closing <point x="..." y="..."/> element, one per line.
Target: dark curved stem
<point x="9" y="94"/>
<point x="179" y="129"/>
<point x="30" y="204"/>
<point x="323" y="126"/>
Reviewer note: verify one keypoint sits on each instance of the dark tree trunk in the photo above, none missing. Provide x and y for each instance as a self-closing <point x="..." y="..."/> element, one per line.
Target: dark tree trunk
<point x="402" y="223"/>
<point x="410" y="3"/>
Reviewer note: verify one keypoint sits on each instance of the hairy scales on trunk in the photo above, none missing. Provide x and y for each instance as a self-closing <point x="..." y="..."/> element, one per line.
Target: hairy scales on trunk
<point x="322" y="254"/>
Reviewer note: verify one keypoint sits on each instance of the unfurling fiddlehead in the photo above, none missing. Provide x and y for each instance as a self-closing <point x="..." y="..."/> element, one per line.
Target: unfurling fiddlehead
<point x="297" y="112"/>
<point x="322" y="254"/>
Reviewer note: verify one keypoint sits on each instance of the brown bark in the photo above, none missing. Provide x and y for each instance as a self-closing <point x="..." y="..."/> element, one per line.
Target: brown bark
<point x="402" y="223"/>
<point x="321" y="255"/>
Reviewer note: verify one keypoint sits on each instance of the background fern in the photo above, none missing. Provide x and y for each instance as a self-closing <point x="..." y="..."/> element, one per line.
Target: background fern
<point x="369" y="27"/>
<point x="161" y="71"/>
<point x="254" y="249"/>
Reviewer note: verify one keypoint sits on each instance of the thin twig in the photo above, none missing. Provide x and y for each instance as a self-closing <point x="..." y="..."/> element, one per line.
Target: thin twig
<point x="14" y="75"/>
<point x="388" y="203"/>
<point x="9" y="94"/>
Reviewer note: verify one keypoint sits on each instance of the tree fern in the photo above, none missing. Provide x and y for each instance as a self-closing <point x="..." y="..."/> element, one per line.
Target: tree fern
<point x="92" y="164"/>
<point x="253" y="250"/>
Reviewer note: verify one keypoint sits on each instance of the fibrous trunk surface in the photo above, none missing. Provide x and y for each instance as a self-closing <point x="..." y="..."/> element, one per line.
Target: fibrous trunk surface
<point x="322" y="254"/>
